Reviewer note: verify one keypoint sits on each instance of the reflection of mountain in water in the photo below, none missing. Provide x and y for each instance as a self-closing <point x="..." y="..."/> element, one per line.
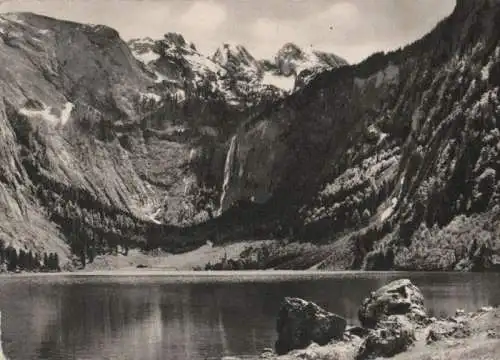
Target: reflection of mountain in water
<point x="140" y="321"/>
<point x="158" y="318"/>
<point x="100" y="322"/>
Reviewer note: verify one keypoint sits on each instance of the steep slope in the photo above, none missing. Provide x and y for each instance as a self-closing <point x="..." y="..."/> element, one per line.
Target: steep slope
<point x="394" y="160"/>
<point x="46" y="79"/>
<point x="94" y="154"/>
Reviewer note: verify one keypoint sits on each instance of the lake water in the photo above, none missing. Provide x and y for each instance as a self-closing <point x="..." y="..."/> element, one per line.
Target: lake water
<point x="196" y="316"/>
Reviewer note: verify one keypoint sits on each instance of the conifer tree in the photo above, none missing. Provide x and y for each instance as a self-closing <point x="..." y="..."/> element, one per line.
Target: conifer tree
<point x="45" y="261"/>
<point x="11" y="258"/>
<point x="2" y="252"/>
<point x="56" y="262"/>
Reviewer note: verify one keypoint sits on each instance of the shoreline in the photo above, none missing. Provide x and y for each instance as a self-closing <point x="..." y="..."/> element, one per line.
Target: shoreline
<point x="224" y="273"/>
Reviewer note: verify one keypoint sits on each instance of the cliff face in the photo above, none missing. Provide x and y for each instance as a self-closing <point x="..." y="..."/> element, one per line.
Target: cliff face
<point x="395" y="159"/>
<point x="92" y="150"/>
<point x="53" y="74"/>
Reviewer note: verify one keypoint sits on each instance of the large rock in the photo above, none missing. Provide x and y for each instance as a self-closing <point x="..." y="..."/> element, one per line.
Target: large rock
<point x="393" y="336"/>
<point x="301" y="323"/>
<point x="399" y="297"/>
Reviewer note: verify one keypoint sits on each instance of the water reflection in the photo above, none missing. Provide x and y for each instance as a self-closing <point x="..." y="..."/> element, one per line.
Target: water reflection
<point x="149" y="319"/>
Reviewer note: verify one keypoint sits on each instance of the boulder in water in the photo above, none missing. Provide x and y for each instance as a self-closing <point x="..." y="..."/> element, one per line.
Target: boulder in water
<point x="301" y="323"/>
<point x="399" y="297"/>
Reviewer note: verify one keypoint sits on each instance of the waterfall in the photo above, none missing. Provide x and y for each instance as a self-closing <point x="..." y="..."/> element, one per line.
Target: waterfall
<point x="228" y="170"/>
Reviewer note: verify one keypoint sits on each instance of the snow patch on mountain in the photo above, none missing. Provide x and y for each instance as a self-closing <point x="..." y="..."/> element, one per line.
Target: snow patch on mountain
<point x="286" y="83"/>
<point x="49" y="114"/>
<point x="66" y="112"/>
<point x="150" y="96"/>
<point x="161" y="78"/>
<point x="388" y="212"/>
<point x="146" y="57"/>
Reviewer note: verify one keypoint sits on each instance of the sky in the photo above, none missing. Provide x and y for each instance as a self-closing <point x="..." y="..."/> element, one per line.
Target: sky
<point x="352" y="29"/>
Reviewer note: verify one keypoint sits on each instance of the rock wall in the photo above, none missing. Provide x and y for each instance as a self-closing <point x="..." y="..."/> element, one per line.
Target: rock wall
<point x="390" y="155"/>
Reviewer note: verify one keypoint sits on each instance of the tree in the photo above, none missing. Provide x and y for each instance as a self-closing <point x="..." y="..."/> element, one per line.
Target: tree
<point x="22" y="260"/>
<point x="356" y="218"/>
<point x="83" y="258"/>
<point x="37" y="261"/>
<point x="45" y="261"/>
<point x="11" y="254"/>
<point x="31" y="261"/>
<point x="50" y="262"/>
<point x="56" y="262"/>
<point x="91" y="253"/>
<point x="2" y="251"/>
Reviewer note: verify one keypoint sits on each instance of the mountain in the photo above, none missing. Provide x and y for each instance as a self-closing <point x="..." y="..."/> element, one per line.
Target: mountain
<point x="107" y="144"/>
<point x="231" y="73"/>
<point x="56" y="88"/>
<point x="178" y="65"/>
<point x="388" y="164"/>
<point x="291" y="60"/>
<point x="92" y="150"/>
<point x="238" y="61"/>
<point x="393" y="161"/>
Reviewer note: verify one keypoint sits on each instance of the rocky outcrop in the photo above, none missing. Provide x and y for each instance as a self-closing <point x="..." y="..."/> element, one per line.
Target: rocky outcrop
<point x="399" y="297"/>
<point x="392" y="313"/>
<point x="401" y="336"/>
<point x="301" y="322"/>
<point x="390" y="317"/>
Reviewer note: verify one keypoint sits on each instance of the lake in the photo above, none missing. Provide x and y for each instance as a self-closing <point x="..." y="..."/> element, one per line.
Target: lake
<point x="192" y="315"/>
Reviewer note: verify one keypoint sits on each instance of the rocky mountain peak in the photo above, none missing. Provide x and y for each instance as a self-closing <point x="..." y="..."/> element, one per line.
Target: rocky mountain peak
<point x="233" y="57"/>
<point x="292" y="59"/>
<point x="291" y="50"/>
<point x="175" y="39"/>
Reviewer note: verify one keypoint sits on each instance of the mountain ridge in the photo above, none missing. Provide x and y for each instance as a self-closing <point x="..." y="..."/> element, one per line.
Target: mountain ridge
<point x="234" y="70"/>
<point x="375" y="76"/>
